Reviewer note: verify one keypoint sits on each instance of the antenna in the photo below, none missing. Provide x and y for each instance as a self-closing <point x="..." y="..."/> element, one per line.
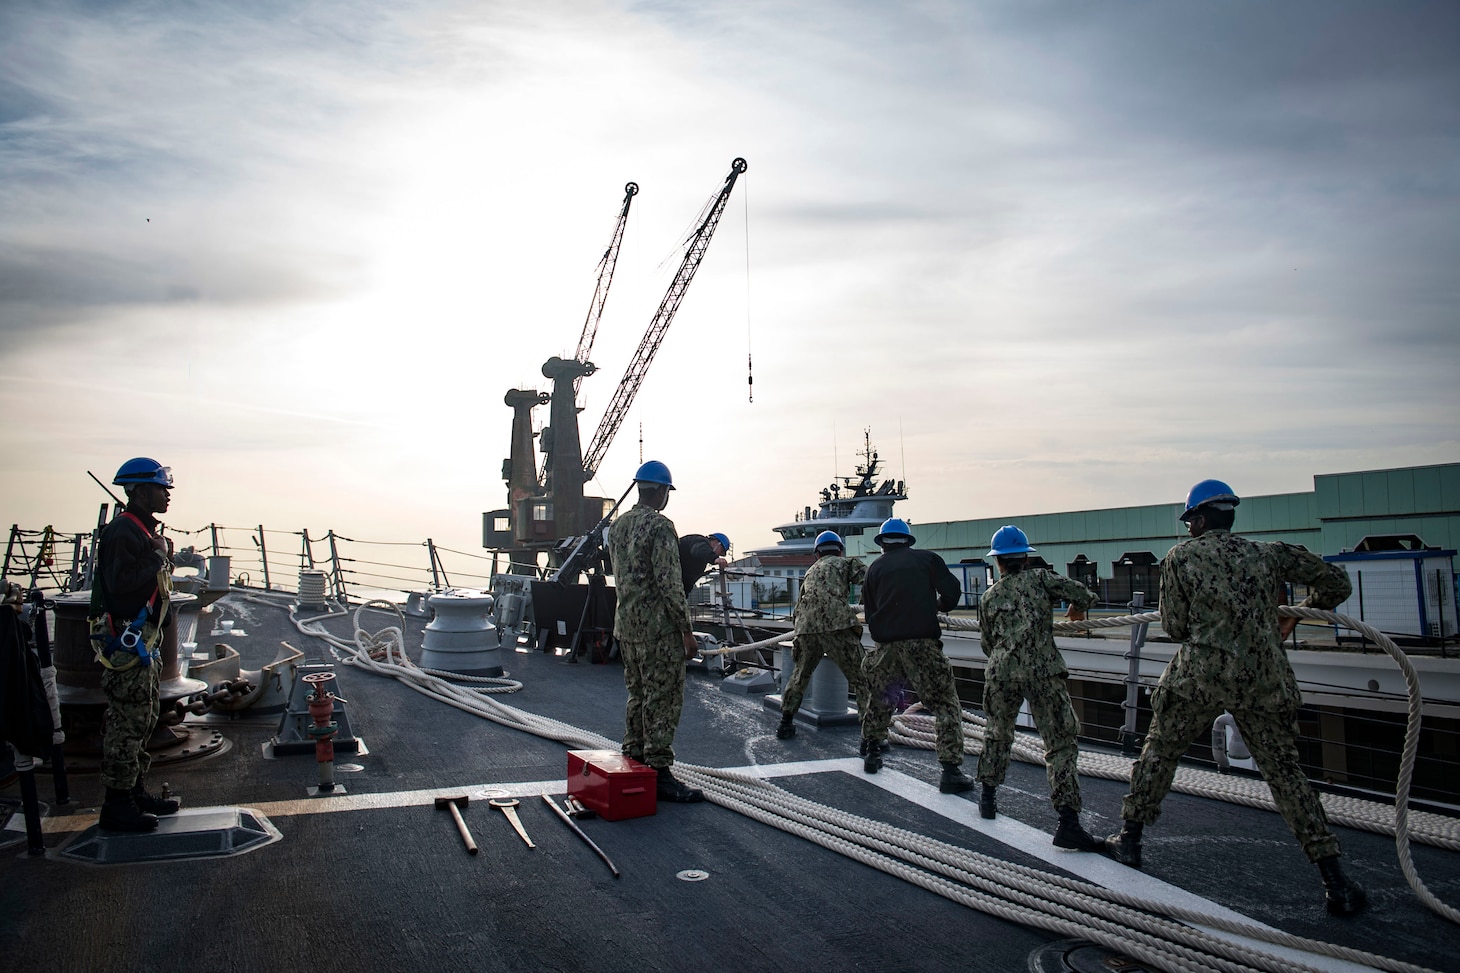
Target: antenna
<point x="902" y="445"/>
<point x="120" y="502"/>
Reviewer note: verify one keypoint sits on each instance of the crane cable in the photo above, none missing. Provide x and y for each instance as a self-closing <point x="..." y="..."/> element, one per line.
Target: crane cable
<point x="749" y="361"/>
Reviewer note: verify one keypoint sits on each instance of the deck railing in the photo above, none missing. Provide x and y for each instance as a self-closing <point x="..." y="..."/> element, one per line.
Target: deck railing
<point x="360" y="569"/>
<point x="261" y="557"/>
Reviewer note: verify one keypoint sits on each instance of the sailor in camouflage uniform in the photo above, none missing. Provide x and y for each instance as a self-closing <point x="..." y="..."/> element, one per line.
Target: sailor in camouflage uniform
<point x="130" y="615"/>
<point x="652" y="625"/>
<point x="1219" y="597"/>
<point x="904" y="591"/>
<point x="1015" y="621"/>
<point x="826" y="625"/>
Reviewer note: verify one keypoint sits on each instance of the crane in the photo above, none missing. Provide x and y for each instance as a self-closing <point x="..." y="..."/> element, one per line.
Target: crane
<point x="628" y="386"/>
<point x="606" y="267"/>
<point x="605" y="280"/>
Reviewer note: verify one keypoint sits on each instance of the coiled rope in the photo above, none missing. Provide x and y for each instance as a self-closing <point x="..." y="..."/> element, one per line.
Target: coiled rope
<point x="1148" y="930"/>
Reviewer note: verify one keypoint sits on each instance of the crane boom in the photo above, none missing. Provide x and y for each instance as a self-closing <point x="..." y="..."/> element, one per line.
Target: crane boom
<point x="628" y="386"/>
<point x="606" y="267"/>
<point x="605" y="280"/>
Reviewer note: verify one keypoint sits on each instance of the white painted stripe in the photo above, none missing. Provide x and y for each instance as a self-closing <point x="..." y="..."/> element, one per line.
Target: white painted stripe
<point x="1094" y="868"/>
<point x="344" y="802"/>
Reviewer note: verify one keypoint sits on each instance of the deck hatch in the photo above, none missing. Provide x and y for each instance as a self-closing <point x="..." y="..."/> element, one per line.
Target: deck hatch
<point x="212" y="832"/>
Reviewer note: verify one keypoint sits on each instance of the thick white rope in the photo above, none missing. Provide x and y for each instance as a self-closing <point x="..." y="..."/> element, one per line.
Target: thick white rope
<point x="1035" y="894"/>
<point x="1432" y="829"/>
<point x="383" y="653"/>
<point x="1043" y="900"/>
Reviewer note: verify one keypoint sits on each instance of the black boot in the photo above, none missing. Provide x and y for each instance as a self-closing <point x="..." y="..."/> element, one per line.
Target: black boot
<point x="955" y="781"/>
<point x="882" y="745"/>
<point x="148" y="804"/>
<point x="787" y="729"/>
<point x="988" y="808"/>
<point x="1070" y="835"/>
<point x="871" y="756"/>
<point x="120" y="813"/>
<point x="669" y="788"/>
<point x="1343" y="895"/>
<point x="1126" y="846"/>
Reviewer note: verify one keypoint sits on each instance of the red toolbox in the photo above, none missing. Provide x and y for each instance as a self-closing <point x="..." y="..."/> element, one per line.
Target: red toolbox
<point x="615" y="786"/>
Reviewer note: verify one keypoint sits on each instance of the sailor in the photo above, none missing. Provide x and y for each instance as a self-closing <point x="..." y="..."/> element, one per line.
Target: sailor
<point x="1218" y="598"/>
<point x="652" y="625"/>
<point x="826" y="625"/>
<point x="130" y="614"/>
<point x="697" y="552"/>
<point x="903" y="594"/>
<point x="1015" y="621"/>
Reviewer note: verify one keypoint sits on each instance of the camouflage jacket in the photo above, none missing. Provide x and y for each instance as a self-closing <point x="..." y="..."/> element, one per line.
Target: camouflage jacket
<point x="825" y="595"/>
<point x="1219" y="596"/>
<point x="1017" y="625"/>
<point x="645" y="554"/>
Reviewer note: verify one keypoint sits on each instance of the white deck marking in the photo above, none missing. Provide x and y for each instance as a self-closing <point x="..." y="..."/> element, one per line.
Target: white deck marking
<point x="1004" y="829"/>
<point x="1094" y="868"/>
<point x="347" y="802"/>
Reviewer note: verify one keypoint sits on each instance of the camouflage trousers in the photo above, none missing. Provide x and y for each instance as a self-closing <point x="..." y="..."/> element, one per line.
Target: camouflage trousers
<point x="1271" y="735"/>
<point x="844" y="648"/>
<point x="654" y="677"/>
<point x="889" y="667"/>
<point x="132" y="710"/>
<point x="1054" y="718"/>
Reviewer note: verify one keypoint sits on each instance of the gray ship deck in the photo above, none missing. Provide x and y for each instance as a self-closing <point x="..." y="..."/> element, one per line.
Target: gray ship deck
<point x="377" y="878"/>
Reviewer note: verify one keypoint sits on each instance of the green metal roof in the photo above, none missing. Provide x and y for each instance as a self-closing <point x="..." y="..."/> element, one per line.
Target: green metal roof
<point x="1341" y="509"/>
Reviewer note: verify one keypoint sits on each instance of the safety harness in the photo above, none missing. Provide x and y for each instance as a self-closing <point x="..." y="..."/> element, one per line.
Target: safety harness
<point x="133" y="645"/>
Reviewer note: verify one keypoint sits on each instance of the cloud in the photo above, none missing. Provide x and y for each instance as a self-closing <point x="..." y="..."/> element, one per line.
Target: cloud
<point x="138" y="144"/>
<point x="1057" y="251"/>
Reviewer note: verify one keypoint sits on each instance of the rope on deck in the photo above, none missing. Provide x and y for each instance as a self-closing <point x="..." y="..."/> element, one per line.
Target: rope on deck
<point x="1148" y="930"/>
<point x="1430" y="829"/>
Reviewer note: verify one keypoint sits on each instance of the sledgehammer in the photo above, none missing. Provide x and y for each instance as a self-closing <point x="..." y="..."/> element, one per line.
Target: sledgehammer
<point x="460" y="800"/>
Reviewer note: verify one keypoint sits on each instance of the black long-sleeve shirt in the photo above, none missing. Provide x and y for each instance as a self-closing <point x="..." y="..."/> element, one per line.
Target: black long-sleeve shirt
<point x="128" y="560"/>
<point x="695" y="555"/>
<point x="905" y="590"/>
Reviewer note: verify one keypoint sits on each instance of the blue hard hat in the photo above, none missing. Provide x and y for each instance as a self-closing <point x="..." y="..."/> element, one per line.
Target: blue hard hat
<point x="1009" y="540"/>
<point x="827" y="538"/>
<point x="893" y="527"/>
<point x="724" y="541"/>
<point x="142" y="469"/>
<point x="654" y="472"/>
<point x="1209" y="492"/>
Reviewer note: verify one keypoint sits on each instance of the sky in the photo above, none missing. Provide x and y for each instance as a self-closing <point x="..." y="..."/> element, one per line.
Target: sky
<point x="1053" y="255"/>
